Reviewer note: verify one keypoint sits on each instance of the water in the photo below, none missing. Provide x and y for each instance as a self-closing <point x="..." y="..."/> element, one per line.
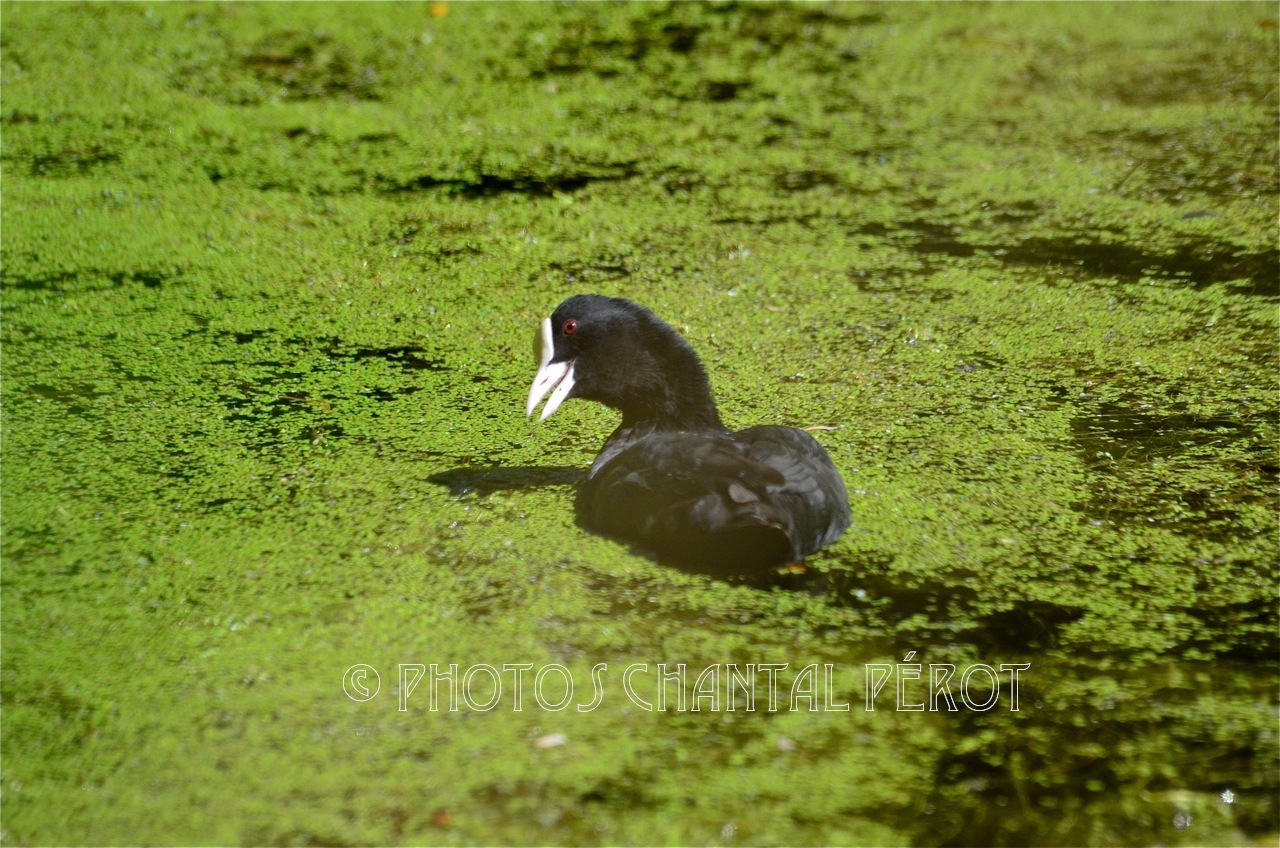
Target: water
<point x="269" y="275"/>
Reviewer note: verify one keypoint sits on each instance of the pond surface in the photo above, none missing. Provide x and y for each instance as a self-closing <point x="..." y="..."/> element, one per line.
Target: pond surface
<point x="269" y="278"/>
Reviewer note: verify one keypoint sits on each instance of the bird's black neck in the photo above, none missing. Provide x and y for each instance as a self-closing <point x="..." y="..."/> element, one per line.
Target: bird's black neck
<point x="672" y="413"/>
<point x="677" y="393"/>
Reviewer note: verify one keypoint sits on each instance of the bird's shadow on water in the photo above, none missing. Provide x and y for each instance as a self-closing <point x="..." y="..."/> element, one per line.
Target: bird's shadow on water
<point x="486" y="481"/>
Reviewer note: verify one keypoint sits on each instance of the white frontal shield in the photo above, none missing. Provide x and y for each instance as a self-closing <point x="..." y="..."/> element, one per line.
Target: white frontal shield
<point x="551" y="375"/>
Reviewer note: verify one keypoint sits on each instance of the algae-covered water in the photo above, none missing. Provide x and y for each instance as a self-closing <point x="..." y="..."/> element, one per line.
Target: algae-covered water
<point x="270" y="273"/>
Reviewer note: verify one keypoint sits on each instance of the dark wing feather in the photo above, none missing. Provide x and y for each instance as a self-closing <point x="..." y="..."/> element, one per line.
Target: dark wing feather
<point x="814" y="496"/>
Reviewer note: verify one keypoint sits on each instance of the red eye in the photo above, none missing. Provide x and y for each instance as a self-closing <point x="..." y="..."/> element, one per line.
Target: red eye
<point x="570" y="327"/>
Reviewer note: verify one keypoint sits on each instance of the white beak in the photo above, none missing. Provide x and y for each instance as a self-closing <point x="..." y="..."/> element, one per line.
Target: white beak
<point x="557" y="375"/>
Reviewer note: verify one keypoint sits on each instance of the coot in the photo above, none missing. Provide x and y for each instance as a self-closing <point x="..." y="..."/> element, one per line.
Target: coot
<point x="672" y="479"/>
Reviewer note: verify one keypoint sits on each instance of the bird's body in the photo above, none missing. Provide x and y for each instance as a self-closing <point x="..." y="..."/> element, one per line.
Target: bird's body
<point x="672" y="478"/>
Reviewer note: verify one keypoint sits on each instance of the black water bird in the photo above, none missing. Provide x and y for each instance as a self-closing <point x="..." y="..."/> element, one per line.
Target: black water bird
<point x="672" y="479"/>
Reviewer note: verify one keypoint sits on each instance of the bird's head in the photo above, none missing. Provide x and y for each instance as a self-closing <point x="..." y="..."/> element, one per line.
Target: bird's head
<point x="614" y="351"/>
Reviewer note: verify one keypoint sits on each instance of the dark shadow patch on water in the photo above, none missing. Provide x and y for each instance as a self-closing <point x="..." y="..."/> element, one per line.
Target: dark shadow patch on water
<point x="1166" y="469"/>
<point x="1007" y="773"/>
<point x="1141" y="437"/>
<point x="581" y="46"/>
<point x="385" y="395"/>
<point x="78" y="720"/>
<point x="1026" y="625"/>
<point x="243" y="337"/>
<point x="626" y="595"/>
<point x="680" y="180"/>
<point x="76" y="398"/>
<point x="1195" y="265"/>
<point x="821" y="29"/>
<point x="15" y="116"/>
<point x="719" y="91"/>
<point x="66" y="394"/>
<point x="629" y="788"/>
<point x="766" y="220"/>
<point x="728" y="557"/>
<point x="378" y="137"/>
<point x="47" y="282"/>
<point x="614" y="268"/>
<point x="666" y="43"/>
<point x="893" y="282"/>
<point x="309" y="66"/>
<point x="276" y="414"/>
<point x="288" y="65"/>
<point x="1017" y="212"/>
<point x="804" y="180"/>
<point x="40" y="543"/>
<point x="266" y="385"/>
<point x="1265" y="465"/>
<point x="181" y="465"/>
<point x="681" y="38"/>
<point x="999" y="794"/>
<point x="939" y="239"/>
<point x="1251" y="625"/>
<point x="72" y="162"/>
<point x="975" y="361"/>
<point x="922" y="236"/>
<point x="149" y="278"/>
<point x="307" y="135"/>
<point x="492" y="185"/>
<point x="271" y="403"/>
<point x="1198" y="266"/>
<point x="1179" y="168"/>
<point x="1208" y="78"/>
<point x="485" y="481"/>
<point x="941" y="610"/>
<point x="215" y="173"/>
<point x="768" y="16"/>
<point x="407" y="357"/>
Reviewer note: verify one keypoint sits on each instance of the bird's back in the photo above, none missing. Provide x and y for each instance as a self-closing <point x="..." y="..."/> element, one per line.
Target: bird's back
<point x="728" y="503"/>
